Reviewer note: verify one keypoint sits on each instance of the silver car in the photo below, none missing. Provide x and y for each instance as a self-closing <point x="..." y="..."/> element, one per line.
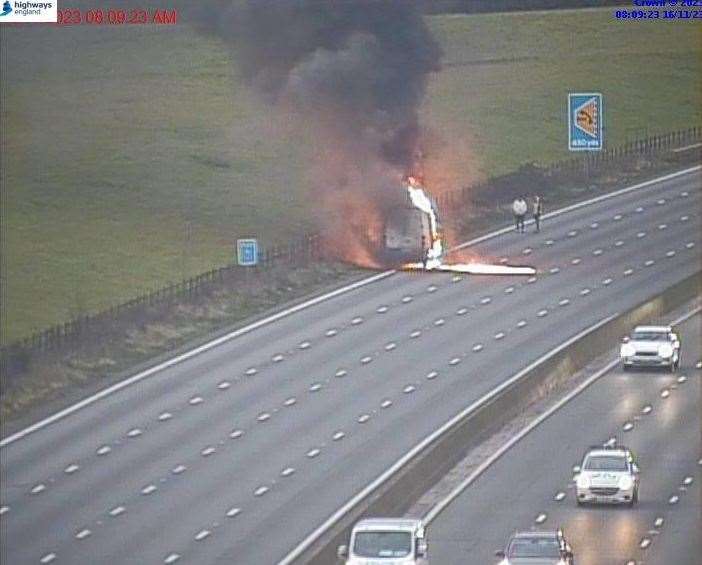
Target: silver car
<point x="651" y="346"/>
<point x="537" y="548"/>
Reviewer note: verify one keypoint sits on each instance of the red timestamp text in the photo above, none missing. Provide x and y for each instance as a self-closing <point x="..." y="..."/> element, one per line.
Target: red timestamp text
<point x="100" y="16"/>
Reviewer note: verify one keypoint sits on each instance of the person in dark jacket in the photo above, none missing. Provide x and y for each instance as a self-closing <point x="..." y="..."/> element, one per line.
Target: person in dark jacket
<point x="538" y="210"/>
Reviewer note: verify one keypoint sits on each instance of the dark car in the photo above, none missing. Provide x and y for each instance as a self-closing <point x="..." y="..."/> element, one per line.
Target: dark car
<point x="537" y="548"/>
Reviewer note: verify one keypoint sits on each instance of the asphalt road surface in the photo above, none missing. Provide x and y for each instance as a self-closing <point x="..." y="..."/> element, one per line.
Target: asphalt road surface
<point x="237" y="454"/>
<point x="525" y="488"/>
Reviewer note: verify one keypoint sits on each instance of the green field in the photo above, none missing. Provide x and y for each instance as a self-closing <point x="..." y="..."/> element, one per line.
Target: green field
<point x="134" y="156"/>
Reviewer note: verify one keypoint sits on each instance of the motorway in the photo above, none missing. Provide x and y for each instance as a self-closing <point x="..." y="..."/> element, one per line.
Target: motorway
<point x="237" y="454"/>
<point x="654" y="413"/>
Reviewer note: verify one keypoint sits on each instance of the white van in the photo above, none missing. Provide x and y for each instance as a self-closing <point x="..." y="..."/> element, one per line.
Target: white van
<point x="386" y="541"/>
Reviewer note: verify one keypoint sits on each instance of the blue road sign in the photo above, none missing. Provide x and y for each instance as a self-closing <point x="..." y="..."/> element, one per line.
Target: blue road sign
<point x="585" y="121"/>
<point x="247" y="252"/>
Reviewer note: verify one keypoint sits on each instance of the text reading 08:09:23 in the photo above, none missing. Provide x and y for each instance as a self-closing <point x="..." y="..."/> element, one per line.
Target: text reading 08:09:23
<point x="658" y="15"/>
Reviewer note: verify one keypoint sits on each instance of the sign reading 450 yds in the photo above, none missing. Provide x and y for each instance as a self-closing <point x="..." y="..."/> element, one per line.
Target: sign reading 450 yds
<point x="585" y="118"/>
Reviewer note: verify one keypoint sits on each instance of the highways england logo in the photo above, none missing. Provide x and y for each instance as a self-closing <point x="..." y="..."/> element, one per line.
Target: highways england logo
<point x="26" y="11"/>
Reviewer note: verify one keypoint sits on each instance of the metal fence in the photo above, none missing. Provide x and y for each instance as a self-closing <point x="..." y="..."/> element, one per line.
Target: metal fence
<point x="71" y="334"/>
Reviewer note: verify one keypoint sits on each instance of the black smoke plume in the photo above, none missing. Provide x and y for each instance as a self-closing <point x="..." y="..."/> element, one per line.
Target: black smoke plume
<point x="355" y="72"/>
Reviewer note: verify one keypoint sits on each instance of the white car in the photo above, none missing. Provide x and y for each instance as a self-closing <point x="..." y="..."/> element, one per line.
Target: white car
<point x="608" y="475"/>
<point x="651" y="346"/>
<point x="386" y="541"/>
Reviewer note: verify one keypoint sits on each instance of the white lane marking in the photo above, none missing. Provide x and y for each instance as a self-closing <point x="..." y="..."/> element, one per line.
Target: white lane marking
<point x="640" y="209"/>
<point x="607" y="282"/>
<point x="305" y="345"/>
<point x="84" y="533"/>
<point x="597" y="252"/>
<point x="572" y="233"/>
<point x="171" y="558"/>
<point x="341" y="373"/>
<point x="585" y="292"/>
<point x="690" y="244"/>
<point x="660" y="202"/>
<point x="455" y="361"/>
<point x="542" y="313"/>
<point x="665" y="393"/>
<point x="149" y="489"/>
<point x="527" y="251"/>
<point x="195" y="400"/>
<point x="135" y="432"/>
<point x="406" y="299"/>
<point x="263" y="417"/>
<point x="504" y="260"/>
<point x="658" y="522"/>
<point x="307" y="304"/>
<point x="461" y="311"/>
<point x="532" y="280"/>
<point x="41" y="487"/>
<point x="312" y="453"/>
<point x="559" y="496"/>
<point x="367" y="359"/>
<point x="251" y="371"/>
<point x="48" y="558"/>
<point x="315" y="387"/>
<point x="381" y="309"/>
<point x="554" y="270"/>
<point x="432" y="375"/>
<point x="549" y="242"/>
<point x="232" y="512"/>
<point x="117" y="510"/>
<point x="287" y="471"/>
<point x="645" y="542"/>
<point x="478" y="347"/>
<point x="575" y="261"/>
<point x="662" y="226"/>
<point x="331" y="333"/>
<point x="486" y="300"/>
<point x="431" y="288"/>
<point x="670" y="253"/>
<point x="628" y="426"/>
<point x="260" y="491"/>
<point x="236" y="434"/>
<point x="387" y="403"/>
<point x="104" y="450"/>
<point x="628" y="272"/>
<point x="618" y="243"/>
<point x="521" y="323"/>
<point x="224" y="385"/>
<point x="363" y="418"/>
<point x="356" y="321"/>
<point x="202" y="534"/>
<point x="682" y="379"/>
<point x="457" y="278"/>
<point x="673" y="499"/>
<point x="208" y="451"/>
<point x="594" y="225"/>
<point x="541" y="518"/>
<point x="684" y="218"/>
<point x="290" y="401"/>
<point x="499" y="335"/>
<point x="432" y="437"/>
<point x="647" y="409"/>
<point x="409" y="389"/>
<point x="338" y="436"/>
<point x="618" y="217"/>
<point x="278" y="358"/>
<point x="4" y="510"/>
<point x="509" y="290"/>
<point x="564" y="302"/>
<point x="178" y="469"/>
<point x="439" y="322"/>
<point x="415" y="334"/>
<point x="688" y="481"/>
<point x="641" y="234"/>
<point x="72" y="468"/>
<point x="390" y="346"/>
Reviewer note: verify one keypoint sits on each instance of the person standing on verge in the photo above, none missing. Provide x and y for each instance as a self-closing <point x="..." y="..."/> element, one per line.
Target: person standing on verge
<point x="538" y="210"/>
<point x="519" y="208"/>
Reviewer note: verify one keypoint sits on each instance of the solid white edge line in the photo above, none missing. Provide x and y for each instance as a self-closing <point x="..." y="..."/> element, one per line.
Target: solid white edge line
<point x="402" y="461"/>
<point x="456" y="492"/>
<point x="302" y="306"/>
